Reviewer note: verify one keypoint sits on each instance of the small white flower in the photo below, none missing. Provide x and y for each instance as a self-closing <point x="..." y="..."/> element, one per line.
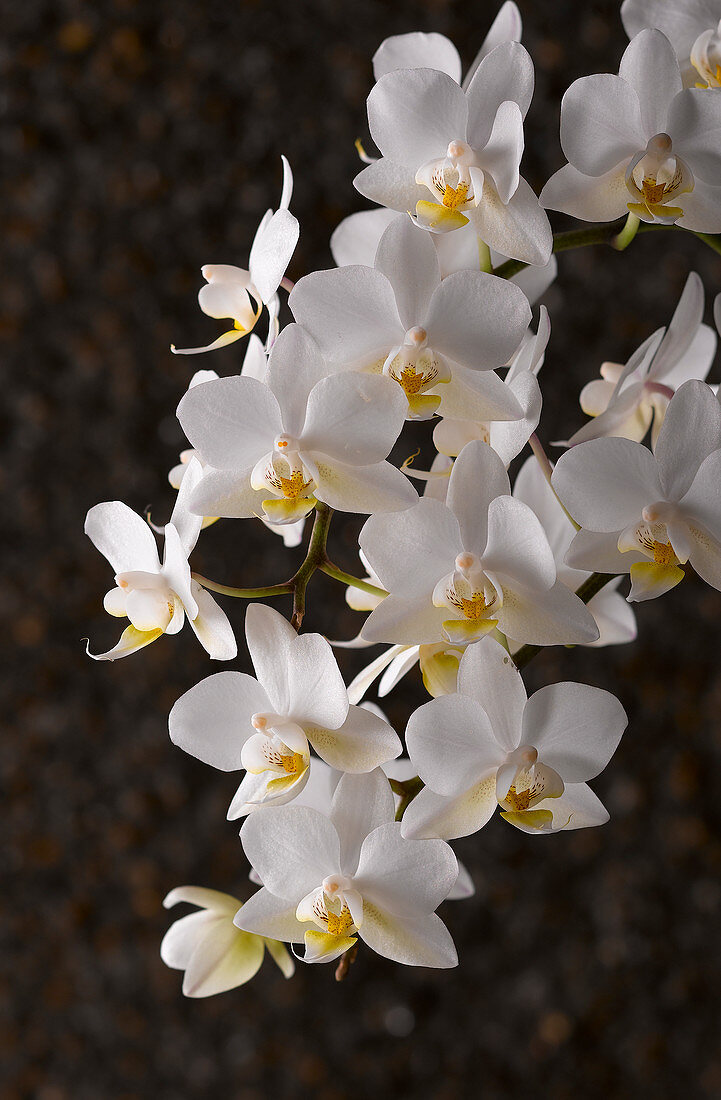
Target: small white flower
<point x="692" y="27"/>
<point x="274" y="450"/>
<point x="626" y="400"/>
<point x="648" y="514"/>
<point x="489" y="745"/>
<point x="438" y="339"/>
<point x="232" y="292"/>
<point x="269" y="724"/>
<point x="639" y="143"/>
<point x="155" y="597"/>
<point x="328" y="880"/>
<point x="255" y="365"/>
<point x="457" y="571"/>
<point x="453" y="156"/>
<point x="213" y="952"/>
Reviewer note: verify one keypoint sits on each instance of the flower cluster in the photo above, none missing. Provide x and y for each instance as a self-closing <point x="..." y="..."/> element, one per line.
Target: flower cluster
<point x="428" y="317"/>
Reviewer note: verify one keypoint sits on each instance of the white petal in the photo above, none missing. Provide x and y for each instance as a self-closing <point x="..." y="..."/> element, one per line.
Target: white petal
<point x="506" y="27"/>
<point x="702" y="503"/>
<point x="649" y="65"/>
<point x="203" y="897"/>
<point x="488" y="675"/>
<point x="407" y="621"/>
<point x="360" y="804"/>
<point x="614" y="617"/>
<point x="293" y="848"/>
<point x="702" y="209"/>
<point x="362" y="743"/>
<point x="601" y="123"/>
<point x="411" y="551"/>
<point x="224" y="959"/>
<point x="227" y="493"/>
<point x="266" y="915"/>
<point x="576" y="729"/>
<point x="211" y="721"/>
<point x="413" y="940"/>
<point x="477" y="320"/>
<point x="272" y="251"/>
<point x="185" y="522"/>
<point x="232" y="421"/>
<point x="606" y="483"/>
<point x="452" y="743"/>
<point x="212" y="627"/>
<point x="176" y="570"/>
<point x="577" y="808"/>
<point x="437" y="815"/>
<point x="694" y="126"/>
<point x="502" y="155"/>
<point x="295" y="365"/>
<point x="359" y="686"/>
<point x="478" y="477"/>
<point x="365" y="489"/>
<point x="355" y="240"/>
<point x="414" y="113"/>
<point x="405" y="877"/>
<point x="122" y="537"/>
<point x="554" y="617"/>
<point x="355" y="418"/>
<point x="691" y="432"/>
<point x="506" y="73"/>
<point x="517" y="545"/>
<point x="417" y="51"/>
<point x="130" y="641"/>
<point x="478" y="395"/>
<point x="407" y="257"/>
<point x="684" y="325"/>
<point x="599" y="553"/>
<point x="270" y="639"/>
<point x="590" y="198"/>
<point x="317" y="693"/>
<point x="351" y="312"/>
<point x="518" y="228"/>
<point x="392" y="185"/>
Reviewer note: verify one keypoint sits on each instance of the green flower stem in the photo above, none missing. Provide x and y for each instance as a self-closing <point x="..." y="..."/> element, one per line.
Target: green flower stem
<point x="407" y="789"/>
<point x="332" y="570"/>
<point x="284" y="589"/>
<point x="602" y="234"/>
<point x="485" y="262"/>
<point x="315" y="557"/>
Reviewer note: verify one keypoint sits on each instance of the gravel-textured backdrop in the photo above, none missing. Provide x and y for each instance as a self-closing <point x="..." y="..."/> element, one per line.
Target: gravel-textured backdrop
<point x="140" y="140"/>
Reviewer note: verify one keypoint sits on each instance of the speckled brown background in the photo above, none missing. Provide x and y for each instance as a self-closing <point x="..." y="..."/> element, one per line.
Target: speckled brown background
<point x="140" y="140"/>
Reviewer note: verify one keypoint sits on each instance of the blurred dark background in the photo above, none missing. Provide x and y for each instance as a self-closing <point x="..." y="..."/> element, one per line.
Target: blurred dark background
<point x="140" y="140"/>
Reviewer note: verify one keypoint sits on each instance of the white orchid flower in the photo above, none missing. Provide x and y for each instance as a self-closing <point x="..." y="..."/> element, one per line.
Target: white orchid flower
<point x="614" y="617"/>
<point x="453" y="156"/>
<point x="269" y="724"/>
<point x="626" y="400"/>
<point x="639" y="143"/>
<point x="459" y="570"/>
<point x="329" y="880"/>
<point x="648" y="514"/>
<point x="239" y="294"/>
<point x="355" y="241"/>
<point x="435" y="51"/>
<point x="274" y="450"/>
<point x="156" y="597"/>
<point x="213" y="952"/>
<point x="255" y="365"/>
<point x="439" y="340"/>
<point x="507" y="438"/>
<point x="490" y="746"/>
<point x="693" y="28"/>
